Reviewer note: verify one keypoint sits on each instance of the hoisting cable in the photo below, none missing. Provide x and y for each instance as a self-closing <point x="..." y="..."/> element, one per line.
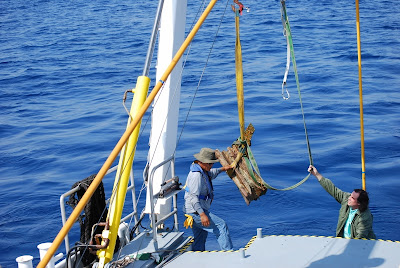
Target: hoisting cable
<point x="286" y="25"/>
<point x="290" y="50"/>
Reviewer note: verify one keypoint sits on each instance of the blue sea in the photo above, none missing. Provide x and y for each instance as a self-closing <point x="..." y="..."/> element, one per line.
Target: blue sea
<point x="65" y="65"/>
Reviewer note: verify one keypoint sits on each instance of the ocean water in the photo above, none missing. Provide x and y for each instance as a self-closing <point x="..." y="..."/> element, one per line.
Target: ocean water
<point x="65" y="65"/>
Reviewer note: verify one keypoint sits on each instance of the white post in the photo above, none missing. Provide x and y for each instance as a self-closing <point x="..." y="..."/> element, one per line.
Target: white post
<point x="42" y="251"/>
<point x="24" y="261"/>
<point x="242" y="253"/>
<point x="259" y="233"/>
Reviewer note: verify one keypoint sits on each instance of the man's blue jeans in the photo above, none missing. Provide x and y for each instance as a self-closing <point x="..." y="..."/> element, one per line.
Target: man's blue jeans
<point x="217" y="226"/>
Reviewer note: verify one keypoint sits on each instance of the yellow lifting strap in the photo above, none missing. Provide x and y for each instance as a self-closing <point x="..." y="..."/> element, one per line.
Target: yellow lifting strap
<point x="239" y="155"/>
<point x="239" y="76"/>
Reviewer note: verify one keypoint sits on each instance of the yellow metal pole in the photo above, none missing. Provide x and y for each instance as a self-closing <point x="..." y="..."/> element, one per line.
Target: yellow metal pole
<point x="361" y="97"/>
<point x="239" y="76"/>
<point x="114" y="153"/>
<point x="123" y="173"/>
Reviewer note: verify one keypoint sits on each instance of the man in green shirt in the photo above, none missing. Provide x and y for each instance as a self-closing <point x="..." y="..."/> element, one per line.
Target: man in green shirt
<point x="355" y="218"/>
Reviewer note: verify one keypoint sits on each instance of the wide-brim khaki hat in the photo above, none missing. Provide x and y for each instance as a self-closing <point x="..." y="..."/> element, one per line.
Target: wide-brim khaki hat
<point x="206" y="155"/>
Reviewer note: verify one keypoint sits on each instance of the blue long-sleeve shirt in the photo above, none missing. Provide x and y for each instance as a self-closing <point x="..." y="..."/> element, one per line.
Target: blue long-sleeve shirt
<point x="196" y="185"/>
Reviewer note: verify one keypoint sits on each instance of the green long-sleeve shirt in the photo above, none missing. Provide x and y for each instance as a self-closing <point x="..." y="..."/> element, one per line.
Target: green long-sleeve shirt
<point x="361" y="226"/>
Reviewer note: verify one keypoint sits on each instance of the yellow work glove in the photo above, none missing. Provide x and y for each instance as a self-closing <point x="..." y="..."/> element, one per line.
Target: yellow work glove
<point x="188" y="222"/>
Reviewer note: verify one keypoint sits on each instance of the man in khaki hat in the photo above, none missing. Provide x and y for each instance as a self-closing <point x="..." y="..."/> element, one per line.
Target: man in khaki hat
<point x="198" y="198"/>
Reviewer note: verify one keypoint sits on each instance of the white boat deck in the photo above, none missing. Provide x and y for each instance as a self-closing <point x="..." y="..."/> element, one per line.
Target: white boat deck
<point x="298" y="251"/>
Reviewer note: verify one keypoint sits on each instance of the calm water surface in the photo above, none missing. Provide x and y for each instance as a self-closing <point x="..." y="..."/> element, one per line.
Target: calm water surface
<point x="64" y="66"/>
